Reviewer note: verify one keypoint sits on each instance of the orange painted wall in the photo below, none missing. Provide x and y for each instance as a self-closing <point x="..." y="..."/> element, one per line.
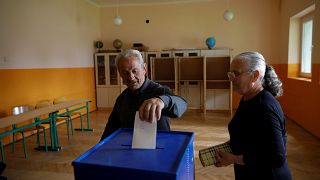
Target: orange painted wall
<point x="301" y="97"/>
<point x="301" y="100"/>
<point x="28" y="86"/>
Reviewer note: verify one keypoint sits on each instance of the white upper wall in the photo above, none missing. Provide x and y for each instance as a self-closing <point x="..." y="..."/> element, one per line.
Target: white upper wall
<point x="47" y="34"/>
<point x="187" y="25"/>
<point x="59" y="33"/>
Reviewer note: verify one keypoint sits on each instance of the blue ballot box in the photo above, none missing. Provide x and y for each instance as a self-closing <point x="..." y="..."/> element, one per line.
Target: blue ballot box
<point x="113" y="158"/>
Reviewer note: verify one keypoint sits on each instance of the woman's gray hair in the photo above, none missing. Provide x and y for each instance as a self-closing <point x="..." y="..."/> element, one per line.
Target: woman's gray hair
<point x="129" y="53"/>
<point x="267" y="75"/>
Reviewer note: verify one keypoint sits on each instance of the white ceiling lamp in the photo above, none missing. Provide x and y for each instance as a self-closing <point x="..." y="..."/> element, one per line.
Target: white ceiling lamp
<point x="117" y="20"/>
<point x="228" y="15"/>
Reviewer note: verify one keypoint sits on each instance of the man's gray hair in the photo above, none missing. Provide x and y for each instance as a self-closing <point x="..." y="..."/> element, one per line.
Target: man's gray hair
<point x="129" y="53"/>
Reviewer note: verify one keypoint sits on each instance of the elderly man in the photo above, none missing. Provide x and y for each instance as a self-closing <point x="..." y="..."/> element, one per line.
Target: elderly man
<point x="155" y="103"/>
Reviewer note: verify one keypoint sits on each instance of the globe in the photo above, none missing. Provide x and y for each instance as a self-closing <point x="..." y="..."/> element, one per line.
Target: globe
<point x="99" y="44"/>
<point x="211" y="42"/>
<point x="117" y="43"/>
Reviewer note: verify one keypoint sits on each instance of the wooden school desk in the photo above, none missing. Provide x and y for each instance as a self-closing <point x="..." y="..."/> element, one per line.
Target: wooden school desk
<point x="53" y="113"/>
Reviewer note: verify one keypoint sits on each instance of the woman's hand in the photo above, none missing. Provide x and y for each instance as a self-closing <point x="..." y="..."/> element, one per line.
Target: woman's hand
<point x="226" y="158"/>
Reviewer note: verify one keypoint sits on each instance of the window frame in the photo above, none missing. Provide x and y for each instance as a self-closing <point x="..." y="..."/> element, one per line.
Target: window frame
<point x="304" y="19"/>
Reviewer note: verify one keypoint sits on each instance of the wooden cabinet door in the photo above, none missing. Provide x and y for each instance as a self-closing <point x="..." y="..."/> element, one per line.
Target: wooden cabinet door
<point x="102" y="97"/>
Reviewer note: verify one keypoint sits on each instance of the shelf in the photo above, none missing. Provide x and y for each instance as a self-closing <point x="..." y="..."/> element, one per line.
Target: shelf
<point x="218" y="85"/>
<point x="201" y="80"/>
<point x="191" y="68"/>
<point x="164" y="80"/>
<point x="163" y="68"/>
<point x="217" y="68"/>
<point x="171" y="85"/>
<point x="217" y="81"/>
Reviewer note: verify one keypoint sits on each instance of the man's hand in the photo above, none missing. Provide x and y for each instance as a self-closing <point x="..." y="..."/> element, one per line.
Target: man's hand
<point x="150" y="110"/>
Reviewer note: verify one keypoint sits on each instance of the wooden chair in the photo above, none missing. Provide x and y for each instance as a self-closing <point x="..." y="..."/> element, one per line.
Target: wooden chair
<point x="22" y="109"/>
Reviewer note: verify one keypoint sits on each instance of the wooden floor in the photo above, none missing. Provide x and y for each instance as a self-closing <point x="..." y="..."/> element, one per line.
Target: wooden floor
<point x="303" y="149"/>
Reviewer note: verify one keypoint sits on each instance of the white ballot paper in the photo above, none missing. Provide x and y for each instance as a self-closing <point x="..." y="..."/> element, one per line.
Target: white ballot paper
<point x="144" y="134"/>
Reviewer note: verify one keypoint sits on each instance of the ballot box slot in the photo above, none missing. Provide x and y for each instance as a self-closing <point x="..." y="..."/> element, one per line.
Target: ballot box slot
<point x="129" y="145"/>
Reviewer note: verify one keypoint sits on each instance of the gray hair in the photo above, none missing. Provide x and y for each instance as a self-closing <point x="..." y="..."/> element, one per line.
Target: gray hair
<point x="267" y="75"/>
<point x="129" y="53"/>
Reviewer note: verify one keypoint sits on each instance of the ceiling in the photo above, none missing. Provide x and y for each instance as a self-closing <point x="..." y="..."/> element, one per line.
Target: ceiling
<point x="112" y="3"/>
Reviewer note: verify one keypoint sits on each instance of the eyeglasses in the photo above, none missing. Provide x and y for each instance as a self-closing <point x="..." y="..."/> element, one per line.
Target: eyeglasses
<point x="234" y="74"/>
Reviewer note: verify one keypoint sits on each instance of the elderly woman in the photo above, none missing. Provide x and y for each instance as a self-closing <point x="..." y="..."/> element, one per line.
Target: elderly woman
<point x="257" y="130"/>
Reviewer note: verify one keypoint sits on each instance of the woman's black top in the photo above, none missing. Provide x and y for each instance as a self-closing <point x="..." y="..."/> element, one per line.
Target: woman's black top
<point x="257" y="131"/>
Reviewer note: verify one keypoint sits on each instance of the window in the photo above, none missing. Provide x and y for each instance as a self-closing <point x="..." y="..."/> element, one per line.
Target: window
<point x="306" y="46"/>
<point x="300" y="44"/>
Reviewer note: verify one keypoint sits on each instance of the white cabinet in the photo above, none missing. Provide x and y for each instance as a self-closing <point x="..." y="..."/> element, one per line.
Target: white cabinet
<point x="215" y="53"/>
<point x="107" y="79"/>
<point x="186" y="53"/>
<point x="106" y="96"/>
<point x="194" y="94"/>
<point x="102" y="97"/>
<point x="100" y="70"/>
<point x="202" y="80"/>
<point x="113" y="93"/>
<point x="221" y="99"/>
<point x="106" y="70"/>
<point x="191" y="78"/>
<point x="191" y="92"/>
<point x="217" y="87"/>
<point x="199" y="76"/>
<point x="210" y="100"/>
<point x="217" y="99"/>
<point x="154" y="54"/>
<point x="163" y="71"/>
